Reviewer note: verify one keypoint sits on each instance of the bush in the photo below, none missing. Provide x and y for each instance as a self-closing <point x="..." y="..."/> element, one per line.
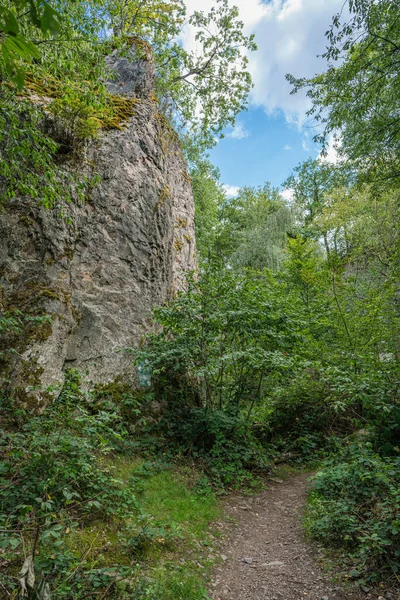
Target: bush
<point x="307" y="413"/>
<point x="220" y="345"/>
<point x="355" y="508"/>
<point x="222" y="444"/>
<point x="54" y="479"/>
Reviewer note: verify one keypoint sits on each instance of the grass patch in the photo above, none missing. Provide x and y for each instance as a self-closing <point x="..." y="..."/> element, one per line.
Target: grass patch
<point x="171" y="583"/>
<point x="168" y="539"/>
<point x="168" y="497"/>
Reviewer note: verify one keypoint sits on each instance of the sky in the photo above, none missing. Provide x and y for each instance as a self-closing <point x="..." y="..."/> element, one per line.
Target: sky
<point x="274" y="135"/>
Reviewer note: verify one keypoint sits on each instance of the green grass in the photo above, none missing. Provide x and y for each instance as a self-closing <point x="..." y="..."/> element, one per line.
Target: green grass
<point x="173" y="584"/>
<point x="172" y="522"/>
<point x="285" y="471"/>
<point x="168" y="497"/>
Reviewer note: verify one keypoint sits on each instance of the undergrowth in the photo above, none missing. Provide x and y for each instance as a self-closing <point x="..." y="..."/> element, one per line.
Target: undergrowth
<point x="354" y="509"/>
<point x="86" y="517"/>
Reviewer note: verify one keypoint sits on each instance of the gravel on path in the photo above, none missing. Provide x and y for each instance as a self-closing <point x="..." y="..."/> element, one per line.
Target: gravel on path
<point x="266" y="556"/>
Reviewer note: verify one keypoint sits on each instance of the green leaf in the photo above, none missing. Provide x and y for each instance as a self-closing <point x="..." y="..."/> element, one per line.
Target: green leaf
<point x="50" y="20"/>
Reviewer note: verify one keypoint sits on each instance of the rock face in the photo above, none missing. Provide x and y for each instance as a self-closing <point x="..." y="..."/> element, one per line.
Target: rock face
<point x="99" y="272"/>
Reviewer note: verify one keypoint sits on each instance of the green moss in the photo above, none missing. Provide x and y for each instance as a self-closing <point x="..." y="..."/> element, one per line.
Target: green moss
<point x="26" y="395"/>
<point x="38" y="333"/>
<point x="187" y="177"/>
<point x="114" y="115"/>
<point x="27" y="221"/>
<point x="178" y="245"/>
<point x="29" y="297"/>
<point x="181" y="223"/>
<point x="101" y="544"/>
<point x="169" y="139"/>
<point x="164" y="194"/>
<point x="115" y="390"/>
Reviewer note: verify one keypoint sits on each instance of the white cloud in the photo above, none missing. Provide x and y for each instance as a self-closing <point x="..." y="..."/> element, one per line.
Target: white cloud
<point x="287" y="147"/>
<point x="332" y="152"/>
<point x="231" y="190"/>
<point x="288" y="194"/>
<point x="290" y="35"/>
<point x="239" y="132"/>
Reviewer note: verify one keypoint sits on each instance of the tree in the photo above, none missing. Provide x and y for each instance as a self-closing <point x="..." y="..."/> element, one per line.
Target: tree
<point x="16" y="47"/>
<point x="201" y="90"/>
<point x="313" y="183"/>
<point x="208" y="197"/>
<point x="357" y="98"/>
<point x="57" y="51"/>
<point x="253" y="227"/>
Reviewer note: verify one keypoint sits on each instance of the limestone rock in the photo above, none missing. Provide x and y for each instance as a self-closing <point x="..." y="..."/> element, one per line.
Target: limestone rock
<point x="100" y="271"/>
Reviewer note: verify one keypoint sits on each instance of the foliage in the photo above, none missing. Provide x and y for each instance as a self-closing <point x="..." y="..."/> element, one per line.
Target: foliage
<point x="302" y="358"/>
<point x="313" y="183"/>
<point x="253" y="229"/>
<point x="85" y="513"/>
<point x="34" y="152"/>
<point x="15" y="46"/>
<point x="52" y="482"/>
<point x="357" y="97"/>
<point x="224" y="336"/>
<point x="355" y="507"/>
<point x="306" y="414"/>
<point x="208" y="197"/>
<point x="53" y="96"/>
<point x="204" y="88"/>
<point x="68" y="42"/>
<point x="14" y="323"/>
<point x="221" y="343"/>
<point x="223" y="446"/>
<point x="45" y="125"/>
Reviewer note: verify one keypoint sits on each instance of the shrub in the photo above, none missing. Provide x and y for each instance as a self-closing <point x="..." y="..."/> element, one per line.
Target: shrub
<point x="222" y="342"/>
<point x="222" y="443"/>
<point x="355" y="508"/>
<point x="53" y="479"/>
<point x="306" y="413"/>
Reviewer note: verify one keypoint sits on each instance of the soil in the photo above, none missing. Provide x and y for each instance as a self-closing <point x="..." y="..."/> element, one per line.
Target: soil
<point x="266" y="556"/>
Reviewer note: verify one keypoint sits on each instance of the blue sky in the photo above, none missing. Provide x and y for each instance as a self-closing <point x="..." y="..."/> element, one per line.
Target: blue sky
<point x="274" y="135"/>
<point x="268" y="150"/>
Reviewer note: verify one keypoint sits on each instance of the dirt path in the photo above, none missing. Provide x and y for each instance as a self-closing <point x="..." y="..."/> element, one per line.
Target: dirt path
<point x="266" y="556"/>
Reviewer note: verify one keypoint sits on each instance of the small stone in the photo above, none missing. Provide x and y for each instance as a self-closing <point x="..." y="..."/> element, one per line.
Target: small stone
<point x="248" y="561"/>
<point x="324" y="598"/>
<point x="275" y="563"/>
<point x="275" y="480"/>
<point x="365" y="589"/>
<point x="224" y="557"/>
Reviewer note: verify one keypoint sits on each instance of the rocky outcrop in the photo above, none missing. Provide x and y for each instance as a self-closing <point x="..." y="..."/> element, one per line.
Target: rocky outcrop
<point x="100" y="269"/>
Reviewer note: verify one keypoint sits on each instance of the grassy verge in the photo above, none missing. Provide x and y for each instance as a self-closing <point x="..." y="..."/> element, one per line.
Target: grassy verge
<point x="90" y="518"/>
<point x="168" y="543"/>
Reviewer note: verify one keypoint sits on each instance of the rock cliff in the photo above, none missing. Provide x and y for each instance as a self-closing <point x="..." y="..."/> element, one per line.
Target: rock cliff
<point x="99" y="271"/>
